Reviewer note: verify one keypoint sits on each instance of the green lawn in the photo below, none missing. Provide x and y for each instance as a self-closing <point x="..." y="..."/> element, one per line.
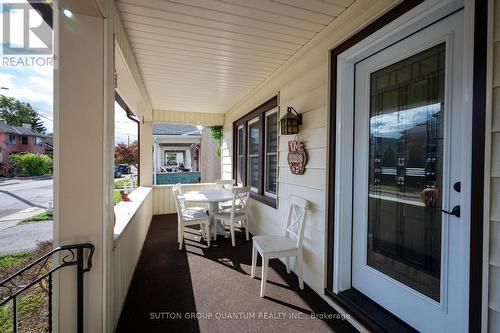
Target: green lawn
<point x="120" y="183"/>
<point x="38" y="218"/>
<point x="13" y="259"/>
<point x="117" y="197"/>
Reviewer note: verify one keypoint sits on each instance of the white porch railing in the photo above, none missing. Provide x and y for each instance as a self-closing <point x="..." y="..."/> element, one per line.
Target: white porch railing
<point x="163" y="199"/>
<point x="128" y="245"/>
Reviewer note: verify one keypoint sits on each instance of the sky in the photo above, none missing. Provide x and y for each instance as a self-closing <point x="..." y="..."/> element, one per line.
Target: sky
<point x="125" y="129"/>
<point x="30" y="84"/>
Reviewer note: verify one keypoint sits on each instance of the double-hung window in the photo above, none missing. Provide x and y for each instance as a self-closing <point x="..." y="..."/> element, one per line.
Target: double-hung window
<point x="256" y="151"/>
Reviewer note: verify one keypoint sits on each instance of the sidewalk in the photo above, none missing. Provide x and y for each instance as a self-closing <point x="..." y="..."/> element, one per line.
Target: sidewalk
<point x="13" y="219"/>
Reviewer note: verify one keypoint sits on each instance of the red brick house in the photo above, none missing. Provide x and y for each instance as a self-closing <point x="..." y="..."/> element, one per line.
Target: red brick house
<point x="19" y="139"/>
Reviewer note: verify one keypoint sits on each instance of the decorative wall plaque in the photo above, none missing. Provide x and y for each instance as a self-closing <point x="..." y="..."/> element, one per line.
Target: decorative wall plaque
<point x="297" y="157"/>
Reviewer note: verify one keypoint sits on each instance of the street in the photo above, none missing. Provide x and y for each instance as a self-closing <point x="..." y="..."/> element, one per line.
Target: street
<point x="20" y="199"/>
<point x="24" y="237"/>
<point x="17" y="195"/>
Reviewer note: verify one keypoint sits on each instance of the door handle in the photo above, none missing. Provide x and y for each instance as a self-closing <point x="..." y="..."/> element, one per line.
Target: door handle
<point x="455" y="211"/>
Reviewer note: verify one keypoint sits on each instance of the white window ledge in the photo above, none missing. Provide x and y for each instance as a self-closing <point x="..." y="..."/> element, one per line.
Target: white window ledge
<point x="125" y="210"/>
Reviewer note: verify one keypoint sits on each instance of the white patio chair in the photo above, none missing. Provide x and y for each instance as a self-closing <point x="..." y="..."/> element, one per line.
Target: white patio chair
<point x="228" y="185"/>
<point x="190" y="216"/>
<point x="178" y="187"/>
<point x="271" y="247"/>
<point x="224" y="184"/>
<point x="237" y="213"/>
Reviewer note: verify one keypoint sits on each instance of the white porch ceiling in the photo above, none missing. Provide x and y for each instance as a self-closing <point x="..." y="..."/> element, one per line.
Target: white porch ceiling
<point x="205" y="55"/>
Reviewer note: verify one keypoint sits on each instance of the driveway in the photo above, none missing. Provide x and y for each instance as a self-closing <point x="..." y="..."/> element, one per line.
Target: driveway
<point x="24" y="237"/>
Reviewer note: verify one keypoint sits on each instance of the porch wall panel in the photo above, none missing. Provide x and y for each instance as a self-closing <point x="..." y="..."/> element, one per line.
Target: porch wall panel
<point x="494" y="255"/>
<point x="163" y="199"/>
<point x="195" y="118"/>
<point x="302" y="83"/>
<point x="126" y="252"/>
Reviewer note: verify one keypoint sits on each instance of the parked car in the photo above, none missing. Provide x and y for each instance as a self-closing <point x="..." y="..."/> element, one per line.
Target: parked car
<point x="118" y="174"/>
<point x="124" y="169"/>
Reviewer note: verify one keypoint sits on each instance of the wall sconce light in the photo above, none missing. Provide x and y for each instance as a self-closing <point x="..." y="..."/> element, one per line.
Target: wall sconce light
<point x="290" y="121"/>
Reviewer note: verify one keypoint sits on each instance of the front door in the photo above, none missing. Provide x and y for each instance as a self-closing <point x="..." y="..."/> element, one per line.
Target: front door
<point x="408" y="255"/>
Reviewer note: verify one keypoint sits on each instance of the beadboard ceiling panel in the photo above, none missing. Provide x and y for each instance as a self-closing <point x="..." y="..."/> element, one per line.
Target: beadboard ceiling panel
<point x="206" y="55"/>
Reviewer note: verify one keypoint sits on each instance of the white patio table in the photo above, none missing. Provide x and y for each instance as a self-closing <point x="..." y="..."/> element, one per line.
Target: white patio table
<point x="212" y="197"/>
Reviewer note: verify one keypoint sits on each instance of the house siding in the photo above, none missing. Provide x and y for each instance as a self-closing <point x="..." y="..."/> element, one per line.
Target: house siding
<point x="494" y="255"/>
<point x="302" y="82"/>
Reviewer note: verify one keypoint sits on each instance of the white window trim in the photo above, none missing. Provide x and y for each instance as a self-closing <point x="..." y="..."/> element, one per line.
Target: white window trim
<point x="238" y="129"/>
<point x="266" y="115"/>
<point x="249" y="179"/>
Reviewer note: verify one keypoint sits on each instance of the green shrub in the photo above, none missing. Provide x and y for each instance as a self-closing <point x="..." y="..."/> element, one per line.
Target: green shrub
<point x="32" y="164"/>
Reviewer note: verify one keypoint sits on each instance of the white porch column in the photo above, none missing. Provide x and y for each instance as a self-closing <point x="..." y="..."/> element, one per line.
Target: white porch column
<point x="146" y="172"/>
<point x="83" y="119"/>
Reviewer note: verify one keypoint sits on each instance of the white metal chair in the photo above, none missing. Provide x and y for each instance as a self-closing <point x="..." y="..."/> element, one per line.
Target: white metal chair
<point x="238" y="212"/>
<point x="270" y="247"/>
<point x="189" y="216"/>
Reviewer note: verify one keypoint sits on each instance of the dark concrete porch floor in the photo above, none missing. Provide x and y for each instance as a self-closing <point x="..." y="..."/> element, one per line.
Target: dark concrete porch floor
<point x="170" y="287"/>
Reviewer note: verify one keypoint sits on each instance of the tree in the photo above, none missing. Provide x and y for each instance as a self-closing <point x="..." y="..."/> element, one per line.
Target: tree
<point x="15" y="113"/>
<point x="127" y="154"/>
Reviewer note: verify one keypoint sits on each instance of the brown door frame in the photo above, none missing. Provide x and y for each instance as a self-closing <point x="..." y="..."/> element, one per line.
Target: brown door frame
<point x="352" y="300"/>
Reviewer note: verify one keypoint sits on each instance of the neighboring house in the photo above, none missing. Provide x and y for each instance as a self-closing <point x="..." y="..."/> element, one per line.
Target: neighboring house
<point x="19" y="139"/>
<point x="190" y="146"/>
<point x="48" y="143"/>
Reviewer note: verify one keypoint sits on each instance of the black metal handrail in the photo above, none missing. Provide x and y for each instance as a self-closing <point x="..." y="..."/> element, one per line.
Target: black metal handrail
<point x="72" y="255"/>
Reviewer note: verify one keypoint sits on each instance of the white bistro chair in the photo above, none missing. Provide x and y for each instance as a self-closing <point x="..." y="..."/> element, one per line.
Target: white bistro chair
<point x="237" y="212"/>
<point x="271" y="247"/>
<point x="178" y="188"/>
<point x="187" y="216"/>
<point x="224" y="184"/>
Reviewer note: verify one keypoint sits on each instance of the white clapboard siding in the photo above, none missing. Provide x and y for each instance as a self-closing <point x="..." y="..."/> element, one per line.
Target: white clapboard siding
<point x="163" y="199"/>
<point x="126" y="251"/>
<point x="494" y="276"/>
<point x="302" y="83"/>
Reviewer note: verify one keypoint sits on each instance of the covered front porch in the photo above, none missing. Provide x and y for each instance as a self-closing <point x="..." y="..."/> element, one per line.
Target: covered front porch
<point x="338" y="66"/>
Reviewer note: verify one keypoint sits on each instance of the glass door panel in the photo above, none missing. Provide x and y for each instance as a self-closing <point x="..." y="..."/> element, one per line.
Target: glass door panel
<point x="406" y="170"/>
